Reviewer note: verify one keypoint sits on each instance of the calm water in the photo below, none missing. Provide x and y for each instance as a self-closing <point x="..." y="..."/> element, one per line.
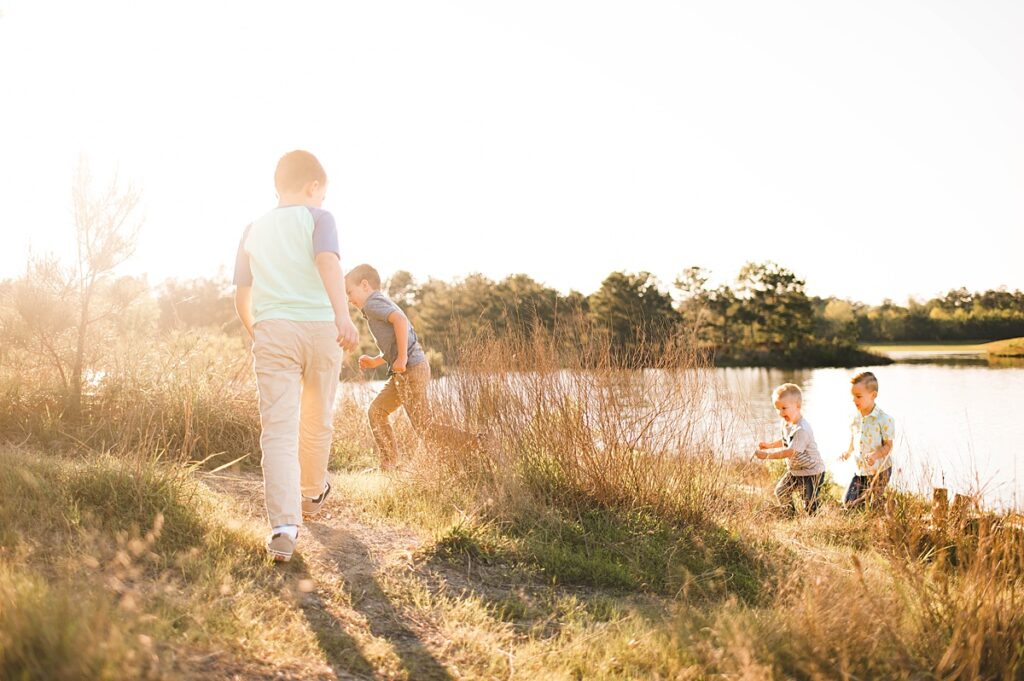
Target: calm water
<point x="959" y="420"/>
<point x="960" y="423"/>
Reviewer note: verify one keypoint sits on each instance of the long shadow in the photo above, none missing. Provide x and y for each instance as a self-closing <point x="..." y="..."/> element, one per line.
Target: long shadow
<point x="369" y="599"/>
<point x="342" y="651"/>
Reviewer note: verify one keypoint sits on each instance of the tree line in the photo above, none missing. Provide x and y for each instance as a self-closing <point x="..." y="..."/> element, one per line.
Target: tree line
<point x="763" y="317"/>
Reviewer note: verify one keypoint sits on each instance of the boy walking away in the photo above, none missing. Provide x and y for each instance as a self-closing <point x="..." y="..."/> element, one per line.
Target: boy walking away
<point x="290" y="296"/>
<point x="871" y="438"/>
<point x="408" y="370"/>
<point x="805" y="471"/>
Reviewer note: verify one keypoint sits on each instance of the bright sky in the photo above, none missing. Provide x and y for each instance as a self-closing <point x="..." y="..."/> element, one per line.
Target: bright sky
<point x="876" y="148"/>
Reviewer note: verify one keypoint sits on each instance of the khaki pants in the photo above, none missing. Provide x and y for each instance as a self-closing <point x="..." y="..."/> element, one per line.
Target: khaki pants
<point x="297" y="371"/>
<point x="409" y="390"/>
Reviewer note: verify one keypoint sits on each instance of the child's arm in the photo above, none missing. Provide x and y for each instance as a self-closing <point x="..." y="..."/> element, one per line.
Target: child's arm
<point x="367" y="362"/>
<point x="770" y="445"/>
<point x="400" y="322"/>
<point x="329" y="267"/>
<point x="243" y="307"/>
<point x="879" y="453"/>
<point x="777" y="454"/>
<point x="849" y="450"/>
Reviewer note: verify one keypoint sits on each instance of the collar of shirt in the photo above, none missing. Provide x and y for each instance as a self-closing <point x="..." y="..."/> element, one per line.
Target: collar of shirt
<point x="375" y="294"/>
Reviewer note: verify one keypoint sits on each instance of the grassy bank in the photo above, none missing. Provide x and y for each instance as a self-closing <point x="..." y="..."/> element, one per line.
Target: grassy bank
<point x="811" y="355"/>
<point x="116" y="569"/>
<point x="929" y="347"/>
<point x="595" y="531"/>
<point x="1011" y="347"/>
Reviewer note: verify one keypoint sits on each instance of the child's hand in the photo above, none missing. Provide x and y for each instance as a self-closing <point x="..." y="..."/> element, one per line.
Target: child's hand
<point x="367" y="362"/>
<point x="348" y="335"/>
<point x="399" y="365"/>
<point x="764" y="445"/>
<point x="761" y="454"/>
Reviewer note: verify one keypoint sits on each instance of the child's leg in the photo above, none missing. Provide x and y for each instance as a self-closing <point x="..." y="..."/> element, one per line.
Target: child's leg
<point x="876" y="487"/>
<point x="277" y="352"/>
<point x="319" y="387"/>
<point x="412" y="392"/>
<point x="855" y="492"/>
<point x="784" y="490"/>
<point x="380" y="409"/>
<point x="412" y="389"/>
<point x="812" y="491"/>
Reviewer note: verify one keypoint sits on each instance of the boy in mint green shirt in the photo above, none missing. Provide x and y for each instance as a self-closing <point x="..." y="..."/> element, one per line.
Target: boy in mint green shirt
<point x="290" y="297"/>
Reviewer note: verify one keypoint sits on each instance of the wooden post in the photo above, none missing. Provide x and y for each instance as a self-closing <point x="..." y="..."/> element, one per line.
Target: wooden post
<point x="961" y="506"/>
<point x="940" y="506"/>
<point x="985" y="528"/>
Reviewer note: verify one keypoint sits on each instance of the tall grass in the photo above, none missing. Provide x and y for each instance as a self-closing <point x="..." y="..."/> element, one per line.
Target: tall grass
<point x="559" y="424"/>
<point x="190" y="396"/>
<point x="593" y="470"/>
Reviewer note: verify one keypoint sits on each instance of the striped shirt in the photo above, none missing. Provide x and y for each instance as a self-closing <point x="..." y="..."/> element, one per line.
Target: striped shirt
<point x="800" y="438"/>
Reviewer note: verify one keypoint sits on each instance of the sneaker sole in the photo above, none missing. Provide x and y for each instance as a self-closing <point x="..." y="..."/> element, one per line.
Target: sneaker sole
<point x="279" y="557"/>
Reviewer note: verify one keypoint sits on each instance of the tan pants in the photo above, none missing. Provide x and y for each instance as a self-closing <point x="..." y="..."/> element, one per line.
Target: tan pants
<point x="297" y="371"/>
<point x="409" y="390"/>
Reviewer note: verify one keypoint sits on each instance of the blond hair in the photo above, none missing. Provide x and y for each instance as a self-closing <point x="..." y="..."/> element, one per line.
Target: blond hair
<point x="788" y="390"/>
<point x="867" y="379"/>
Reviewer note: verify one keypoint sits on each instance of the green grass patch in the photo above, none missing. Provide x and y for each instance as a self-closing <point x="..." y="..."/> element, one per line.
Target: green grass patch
<point x="57" y="632"/>
<point x="595" y="546"/>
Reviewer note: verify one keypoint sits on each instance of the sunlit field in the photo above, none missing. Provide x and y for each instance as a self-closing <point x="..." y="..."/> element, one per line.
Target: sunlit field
<point x="583" y="250"/>
<point x="577" y="541"/>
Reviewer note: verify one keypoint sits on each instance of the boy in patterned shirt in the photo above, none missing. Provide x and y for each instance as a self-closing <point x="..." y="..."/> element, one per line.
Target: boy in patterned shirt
<point x="871" y="437"/>
<point x="805" y="471"/>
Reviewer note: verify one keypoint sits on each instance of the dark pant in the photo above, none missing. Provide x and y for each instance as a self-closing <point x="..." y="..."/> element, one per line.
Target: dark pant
<point x="807" y="485"/>
<point x="867" y="488"/>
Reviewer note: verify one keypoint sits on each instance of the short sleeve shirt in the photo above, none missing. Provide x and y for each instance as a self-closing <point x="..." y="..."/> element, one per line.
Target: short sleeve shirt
<point x="806" y="459"/>
<point x="377" y="308"/>
<point x="868" y="433"/>
<point x="277" y="258"/>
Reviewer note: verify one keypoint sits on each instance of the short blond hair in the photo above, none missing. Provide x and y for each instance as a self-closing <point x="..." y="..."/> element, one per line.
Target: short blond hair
<point x="788" y="390"/>
<point x="866" y="379"/>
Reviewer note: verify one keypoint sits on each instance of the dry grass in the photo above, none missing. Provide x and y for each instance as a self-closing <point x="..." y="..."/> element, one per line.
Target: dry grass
<point x="596" y="530"/>
<point x="114" y="568"/>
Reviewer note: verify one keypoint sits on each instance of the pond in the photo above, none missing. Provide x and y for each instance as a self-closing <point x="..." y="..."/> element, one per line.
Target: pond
<point x="959" y="419"/>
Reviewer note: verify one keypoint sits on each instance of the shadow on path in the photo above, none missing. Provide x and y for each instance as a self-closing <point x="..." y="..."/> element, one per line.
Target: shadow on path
<point x="341" y="650"/>
<point x="350" y="557"/>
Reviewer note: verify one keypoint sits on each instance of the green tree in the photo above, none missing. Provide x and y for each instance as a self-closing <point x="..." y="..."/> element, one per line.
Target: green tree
<point x="775" y="306"/>
<point x="634" y="314"/>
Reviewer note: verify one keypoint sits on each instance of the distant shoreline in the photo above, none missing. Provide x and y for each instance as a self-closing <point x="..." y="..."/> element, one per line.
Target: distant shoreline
<point x="1011" y="347"/>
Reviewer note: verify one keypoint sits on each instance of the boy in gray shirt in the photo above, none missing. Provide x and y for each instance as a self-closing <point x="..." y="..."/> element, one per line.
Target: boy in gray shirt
<point x="408" y="369"/>
<point x="805" y="470"/>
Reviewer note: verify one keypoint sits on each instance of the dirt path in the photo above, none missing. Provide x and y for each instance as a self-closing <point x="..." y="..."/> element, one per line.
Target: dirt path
<point x="349" y="573"/>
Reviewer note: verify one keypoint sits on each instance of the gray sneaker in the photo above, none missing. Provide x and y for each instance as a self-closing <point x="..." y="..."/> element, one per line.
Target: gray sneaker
<point x="312" y="507"/>
<point x="281" y="546"/>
